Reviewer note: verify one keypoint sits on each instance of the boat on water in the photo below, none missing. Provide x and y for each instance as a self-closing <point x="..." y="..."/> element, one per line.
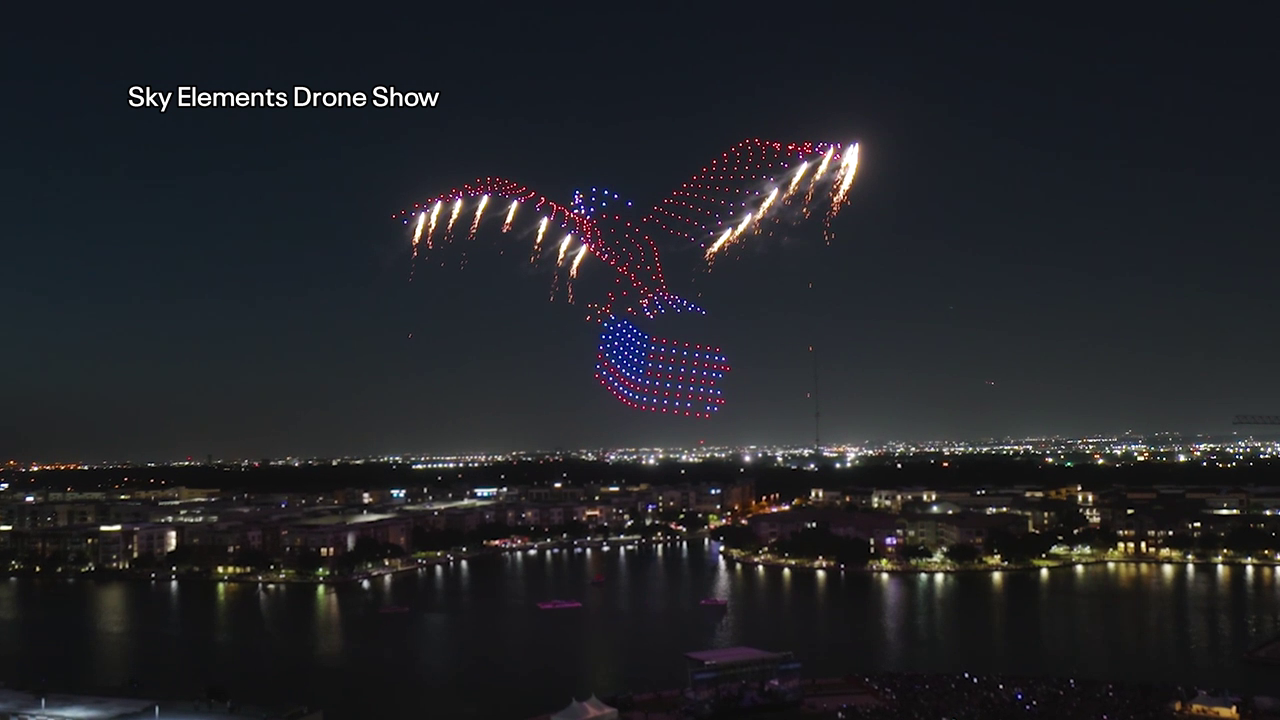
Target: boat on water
<point x="714" y="602"/>
<point x="559" y="604"/>
<point x="393" y="609"/>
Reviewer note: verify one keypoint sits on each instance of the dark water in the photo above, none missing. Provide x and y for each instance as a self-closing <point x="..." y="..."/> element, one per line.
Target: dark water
<point x="474" y="645"/>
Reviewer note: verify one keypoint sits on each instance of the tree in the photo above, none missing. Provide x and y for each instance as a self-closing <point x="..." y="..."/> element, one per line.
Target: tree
<point x="915" y="552"/>
<point x="144" y="562"/>
<point x="252" y="558"/>
<point x="651" y="530"/>
<point x="669" y="516"/>
<point x="575" y="530"/>
<point x="1245" y="540"/>
<point x="55" y="559"/>
<point x="738" y="537"/>
<point x="963" y="554"/>
<point x="1067" y="515"/>
<point x="815" y="543"/>
<point x="309" y="561"/>
<point x="1038" y="544"/>
<point x="852" y="551"/>
<point x="1019" y="549"/>
<point x="183" y="555"/>
<point x="1100" y="538"/>
<point x="435" y="540"/>
<point x="692" y="521"/>
<point x="1006" y="545"/>
<point x="365" y="550"/>
<point x="1209" y="542"/>
<point x="489" y="531"/>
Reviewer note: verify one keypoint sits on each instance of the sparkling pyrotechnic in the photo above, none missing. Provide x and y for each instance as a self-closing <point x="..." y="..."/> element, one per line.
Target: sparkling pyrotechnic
<point x="564" y="248"/>
<point x="537" y="242"/>
<point x="844" y="180"/>
<point x="475" y="223"/>
<point x="431" y="224"/>
<point x="511" y="214"/>
<point x="795" y="179"/>
<point x="753" y="184"/>
<point x="417" y="231"/>
<point x="453" y="216"/>
<point x="577" y="260"/>
<point x="764" y="208"/>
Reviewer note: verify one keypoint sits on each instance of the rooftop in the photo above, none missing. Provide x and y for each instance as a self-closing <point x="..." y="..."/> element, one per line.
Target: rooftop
<point x="87" y="707"/>
<point x="343" y="519"/>
<point x="70" y="707"/>
<point x="723" y="656"/>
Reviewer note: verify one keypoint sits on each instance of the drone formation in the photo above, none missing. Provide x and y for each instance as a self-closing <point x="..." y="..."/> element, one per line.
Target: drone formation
<point x="748" y="191"/>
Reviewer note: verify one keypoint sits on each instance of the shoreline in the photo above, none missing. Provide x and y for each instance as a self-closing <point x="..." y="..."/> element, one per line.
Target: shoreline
<point x="732" y="555"/>
<point x="655" y="704"/>
<point x="741" y="558"/>
<point x="408" y="565"/>
<point x="881" y="693"/>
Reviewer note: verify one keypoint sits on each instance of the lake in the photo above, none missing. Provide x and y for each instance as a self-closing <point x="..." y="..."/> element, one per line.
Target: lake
<point x="473" y="643"/>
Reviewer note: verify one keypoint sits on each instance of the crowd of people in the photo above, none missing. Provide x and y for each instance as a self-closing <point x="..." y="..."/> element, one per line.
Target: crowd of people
<point x="988" y="697"/>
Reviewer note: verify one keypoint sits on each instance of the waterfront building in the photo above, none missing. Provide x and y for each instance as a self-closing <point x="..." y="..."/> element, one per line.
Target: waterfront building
<point x="739" y="676"/>
<point x="334" y="535"/>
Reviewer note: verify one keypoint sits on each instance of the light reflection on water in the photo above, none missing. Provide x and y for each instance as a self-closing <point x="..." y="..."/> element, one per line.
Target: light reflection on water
<point x="471" y="624"/>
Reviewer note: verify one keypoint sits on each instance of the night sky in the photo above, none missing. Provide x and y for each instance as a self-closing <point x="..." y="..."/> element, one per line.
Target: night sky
<point x="1079" y="208"/>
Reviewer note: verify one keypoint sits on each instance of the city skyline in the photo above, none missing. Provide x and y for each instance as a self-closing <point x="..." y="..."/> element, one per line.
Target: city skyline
<point x="1267" y="443"/>
<point x="1059" y="227"/>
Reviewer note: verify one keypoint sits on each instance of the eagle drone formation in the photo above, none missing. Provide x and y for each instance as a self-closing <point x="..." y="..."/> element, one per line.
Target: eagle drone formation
<point x="752" y="186"/>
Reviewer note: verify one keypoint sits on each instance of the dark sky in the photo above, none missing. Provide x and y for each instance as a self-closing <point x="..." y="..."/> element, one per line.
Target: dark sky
<point x="1081" y="208"/>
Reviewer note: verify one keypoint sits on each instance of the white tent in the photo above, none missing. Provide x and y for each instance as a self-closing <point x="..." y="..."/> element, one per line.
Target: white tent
<point x="590" y="709"/>
<point x="602" y="711"/>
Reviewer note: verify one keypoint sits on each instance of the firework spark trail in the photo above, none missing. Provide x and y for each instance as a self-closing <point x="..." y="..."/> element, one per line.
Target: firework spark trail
<point x="431" y="223"/>
<point x="822" y="169"/>
<point x="564" y="248"/>
<point x="453" y="216"/>
<point x="715" y="246"/>
<point x="475" y="222"/>
<point x="609" y="247"/>
<point x="764" y="209"/>
<point x="795" y="181"/>
<point x="417" y="231"/>
<point x="840" y="190"/>
<point x="741" y="228"/>
<point x="844" y="180"/>
<point x="577" y="260"/>
<point x="560" y="255"/>
<point x="729" y="237"/>
<point x="511" y="214"/>
<point x="751" y="221"/>
<point x="573" y="268"/>
<point x="537" y="242"/>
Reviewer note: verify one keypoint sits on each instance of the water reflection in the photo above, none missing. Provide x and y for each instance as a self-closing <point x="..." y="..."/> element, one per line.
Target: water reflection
<point x="222" y="613"/>
<point x="112" y="638"/>
<point x="892" y="601"/>
<point x="471" y="624"/>
<point x="327" y="627"/>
